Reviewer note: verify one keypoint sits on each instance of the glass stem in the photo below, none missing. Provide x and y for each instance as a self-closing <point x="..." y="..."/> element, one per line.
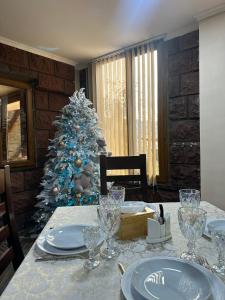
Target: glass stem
<point x="191" y="247"/>
<point x="112" y="242"/>
<point x="220" y="259"/>
<point x="109" y="243"/>
<point x="91" y="255"/>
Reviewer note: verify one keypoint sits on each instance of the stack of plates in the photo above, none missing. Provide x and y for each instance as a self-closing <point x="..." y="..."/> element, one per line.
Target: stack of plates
<point x="167" y="278"/>
<point x="64" y="240"/>
<point x="219" y="223"/>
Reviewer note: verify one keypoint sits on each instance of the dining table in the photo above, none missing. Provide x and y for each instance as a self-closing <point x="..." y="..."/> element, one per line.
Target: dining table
<point x="66" y="279"/>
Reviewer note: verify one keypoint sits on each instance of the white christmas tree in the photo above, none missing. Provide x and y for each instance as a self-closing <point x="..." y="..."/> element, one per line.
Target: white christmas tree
<point x="71" y="174"/>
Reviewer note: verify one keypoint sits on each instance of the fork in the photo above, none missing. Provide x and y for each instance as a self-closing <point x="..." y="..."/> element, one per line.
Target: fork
<point x="204" y="262"/>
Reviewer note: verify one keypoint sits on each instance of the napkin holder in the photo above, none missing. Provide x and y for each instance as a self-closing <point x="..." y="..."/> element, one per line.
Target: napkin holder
<point x="134" y="225"/>
<point x="157" y="232"/>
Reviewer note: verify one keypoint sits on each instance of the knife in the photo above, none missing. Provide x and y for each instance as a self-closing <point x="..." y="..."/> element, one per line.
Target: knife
<point x="57" y="258"/>
<point x="161" y="215"/>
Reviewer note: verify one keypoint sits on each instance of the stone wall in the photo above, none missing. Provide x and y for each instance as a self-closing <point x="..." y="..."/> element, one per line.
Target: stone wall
<point x="55" y="82"/>
<point x="183" y="115"/>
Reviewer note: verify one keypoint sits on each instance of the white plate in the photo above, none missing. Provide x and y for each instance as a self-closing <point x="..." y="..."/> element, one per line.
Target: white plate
<point x="216" y="285"/>
<point x="133" y="207"/>
<point x="166" y="278"/>
<point x="136" y="206"/>
<point x="44" y="246"/>
<point x="66" y="237"/>
<point x="220" y="222"/>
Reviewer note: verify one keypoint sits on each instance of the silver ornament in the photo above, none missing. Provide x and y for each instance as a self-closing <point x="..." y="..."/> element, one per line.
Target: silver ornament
<point x="55" y="190"/>
<point x="62" y="144"/>
<point x="101" y="142"/>
<point x="87" y="192"/>
<point x="85" y="181"/>
<point x="88" y="169"/>
<point x="79" y="188"/>
<point x="77" y="127"/>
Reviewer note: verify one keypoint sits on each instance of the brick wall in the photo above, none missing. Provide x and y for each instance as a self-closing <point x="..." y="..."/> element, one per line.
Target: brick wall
<point x="55" y="81"/>
<point x="183" y="115"/>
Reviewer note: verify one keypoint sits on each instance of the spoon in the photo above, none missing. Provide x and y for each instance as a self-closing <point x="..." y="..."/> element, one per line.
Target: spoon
<point x="121" y="268"/>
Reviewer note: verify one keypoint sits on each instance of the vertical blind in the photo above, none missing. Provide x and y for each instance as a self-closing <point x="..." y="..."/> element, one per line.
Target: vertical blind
<point x="144" y="104"/>
<point x="125" y="95"/>
<point x="111" y="103"/>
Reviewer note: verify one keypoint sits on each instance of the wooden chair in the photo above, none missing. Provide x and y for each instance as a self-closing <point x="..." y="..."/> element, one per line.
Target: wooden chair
<point x="12" y="251"/>
<point x="125" y="163"/>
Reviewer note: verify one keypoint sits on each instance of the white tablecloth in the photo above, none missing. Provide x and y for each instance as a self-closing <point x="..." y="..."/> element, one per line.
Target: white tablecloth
<point x="67" y="280"/>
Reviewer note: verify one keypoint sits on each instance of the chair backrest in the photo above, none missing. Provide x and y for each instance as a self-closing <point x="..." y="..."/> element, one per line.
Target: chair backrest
<point x="124" y="163"/>
<point x="12" y="251"/>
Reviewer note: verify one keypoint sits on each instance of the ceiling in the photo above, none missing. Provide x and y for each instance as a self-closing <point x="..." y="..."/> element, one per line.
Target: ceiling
<point x="81" y="30"/>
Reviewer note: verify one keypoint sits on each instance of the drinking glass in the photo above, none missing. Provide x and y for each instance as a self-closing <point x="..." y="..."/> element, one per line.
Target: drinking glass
<point x="91" y="236"/>
<point x="218" y="238"/>
<point x="189" y="197"/>
<point x="109" y="220"/>
<point x="192" y="224"/>
<point x="117" y="193"/>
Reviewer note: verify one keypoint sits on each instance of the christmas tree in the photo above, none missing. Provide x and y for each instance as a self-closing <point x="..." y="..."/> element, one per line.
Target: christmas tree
<point x="71" y="174"/>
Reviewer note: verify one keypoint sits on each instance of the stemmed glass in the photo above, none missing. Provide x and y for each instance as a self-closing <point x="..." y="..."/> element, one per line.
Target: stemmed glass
<point x="117" y="193"/>
<point x="189" y="197"/>
<point x="104" y="200"/>
<point x="109" y="220"/>
<point x="91" y="236"/>
<point x="192" y="224"/>
<point x="218" y="237"/>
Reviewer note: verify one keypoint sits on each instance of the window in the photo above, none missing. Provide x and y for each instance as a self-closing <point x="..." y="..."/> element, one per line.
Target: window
<point x="112" y="104"/>
<point x="131" y="104"/>
<point x="16" y="122"/>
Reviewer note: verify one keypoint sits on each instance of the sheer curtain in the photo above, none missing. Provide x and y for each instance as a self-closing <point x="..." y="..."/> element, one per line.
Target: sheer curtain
<point x="109" y="94"/>
<point x="125" y="93"/>
<point x="143" y="107"/>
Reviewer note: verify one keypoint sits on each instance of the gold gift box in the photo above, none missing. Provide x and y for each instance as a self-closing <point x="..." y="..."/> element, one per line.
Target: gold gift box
<point x="134" y="225"/>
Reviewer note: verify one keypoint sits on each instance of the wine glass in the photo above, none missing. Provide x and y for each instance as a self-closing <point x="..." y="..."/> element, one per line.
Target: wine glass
<point x="111" y="202"/>
<point x="117" y="193"/>
<point x="189" y="197"/>
<point x="91" y="236"/>
<point x="218" y="238"/>
<point x="192" y="224"/>
<point x="109" y="220"/>
<point x="104" y="200"/>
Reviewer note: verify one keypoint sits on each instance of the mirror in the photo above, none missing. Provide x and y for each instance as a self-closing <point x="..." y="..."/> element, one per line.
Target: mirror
<point x="16" y="123"/>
